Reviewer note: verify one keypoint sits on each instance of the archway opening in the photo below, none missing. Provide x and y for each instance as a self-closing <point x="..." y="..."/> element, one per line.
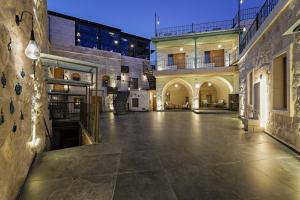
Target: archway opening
<point x="177" y="96"/>
<point x="213" y="95"/>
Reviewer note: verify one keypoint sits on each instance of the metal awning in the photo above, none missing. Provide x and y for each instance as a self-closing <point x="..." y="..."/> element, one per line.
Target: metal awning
<point x="68" y="82"/>
<point x="68" y="63"/>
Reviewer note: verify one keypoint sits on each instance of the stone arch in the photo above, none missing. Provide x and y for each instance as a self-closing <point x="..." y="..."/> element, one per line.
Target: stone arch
<point x="173" y="82"/>
<point x="223" y="87"/>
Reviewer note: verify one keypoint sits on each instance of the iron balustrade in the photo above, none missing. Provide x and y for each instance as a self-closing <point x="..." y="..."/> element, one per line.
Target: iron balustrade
<point x="64" y="110"/>
<point x="202" y="62"/>
<point x="195" y="28"/>
<point x="245" y="15"/>
<point x="261" y="16"/>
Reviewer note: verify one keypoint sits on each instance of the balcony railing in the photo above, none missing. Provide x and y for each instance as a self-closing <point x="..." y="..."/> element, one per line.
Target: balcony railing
<point x="245" y="15"/>
<point x="192" y="63"/>
<point x="195" y="28"/>
<point x="261" y="16"/>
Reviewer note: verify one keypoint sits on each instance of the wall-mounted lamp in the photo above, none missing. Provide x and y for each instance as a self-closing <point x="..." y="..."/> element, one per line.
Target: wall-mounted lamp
<point x="32" y="51"/>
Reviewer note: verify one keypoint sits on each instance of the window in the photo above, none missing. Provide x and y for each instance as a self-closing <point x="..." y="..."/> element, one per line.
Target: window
<point x="124" y="46"/>
<point x="109" y="40"/>
<point x="135" y="83"/>
<point x="105" y="81"/>
<point x="280" y="83"/>
<point x="87" y="35"/>
<point x="76" y="77"/>
<point x="170" y="59"/>
<point x="207" y="57"/>
<point x="135" y="102"/>
<point x="124" y="69"/>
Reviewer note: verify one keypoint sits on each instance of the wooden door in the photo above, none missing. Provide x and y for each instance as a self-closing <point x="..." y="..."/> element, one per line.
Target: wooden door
<point x="179" y="60"/>
<point x="58" y="74"/>
<point x="154" y="103"/>
<point x="217" y="57"/>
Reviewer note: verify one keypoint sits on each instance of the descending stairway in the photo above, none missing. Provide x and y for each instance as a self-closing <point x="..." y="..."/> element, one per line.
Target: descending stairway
<point x="151" y="78"/>
<point x="120" y="102"/>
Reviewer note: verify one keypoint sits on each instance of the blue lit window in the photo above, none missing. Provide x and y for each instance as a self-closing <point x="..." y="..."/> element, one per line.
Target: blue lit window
<point x="87" y="35"/>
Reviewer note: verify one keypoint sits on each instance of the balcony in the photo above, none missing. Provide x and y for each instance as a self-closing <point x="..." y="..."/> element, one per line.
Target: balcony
<point x="191" y="63"/>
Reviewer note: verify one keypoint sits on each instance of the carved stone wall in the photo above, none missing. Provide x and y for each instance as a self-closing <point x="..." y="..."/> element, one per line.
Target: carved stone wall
<point x="22" y="134"/>
<point x="259" y="59"/>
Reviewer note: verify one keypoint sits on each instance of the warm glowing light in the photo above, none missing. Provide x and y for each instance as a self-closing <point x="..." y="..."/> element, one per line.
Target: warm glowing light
<point x="32" y="51"/>
<point x="219" y="46"/>
<point x="197" y="86"/>
<point x="263" y="119"/>
<point x="181" y="49"/>
<point x="209" y="84"/>
<point x="176" y="85"/>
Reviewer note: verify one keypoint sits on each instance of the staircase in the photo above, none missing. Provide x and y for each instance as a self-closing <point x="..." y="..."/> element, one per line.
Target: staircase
<point x="120" y="102"/>
<point x="151" y="78"/>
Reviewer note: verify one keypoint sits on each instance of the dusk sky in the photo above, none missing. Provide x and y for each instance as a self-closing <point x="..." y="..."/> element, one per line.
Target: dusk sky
<point x="137" y="16"/>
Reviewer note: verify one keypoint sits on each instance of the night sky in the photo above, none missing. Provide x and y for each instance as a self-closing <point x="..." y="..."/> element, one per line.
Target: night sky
<point x="137" y="16"/>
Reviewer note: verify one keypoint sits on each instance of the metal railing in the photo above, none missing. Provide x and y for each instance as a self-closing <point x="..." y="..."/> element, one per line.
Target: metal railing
<point x="261" y="16"/>
<point x="195" y="28"/>
<point x="245" y="14"/>
<point x="199" y="62"/>
<point x="64" y="110"/>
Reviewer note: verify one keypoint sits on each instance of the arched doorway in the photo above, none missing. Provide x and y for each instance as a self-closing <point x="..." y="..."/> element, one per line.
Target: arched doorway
<point x="214" y="94"/>
<point x="177" y="96"/>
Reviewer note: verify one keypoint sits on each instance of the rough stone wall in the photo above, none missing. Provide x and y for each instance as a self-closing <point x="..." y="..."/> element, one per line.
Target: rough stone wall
<point x="17" y="149"/>
<point x="260" y="59"/>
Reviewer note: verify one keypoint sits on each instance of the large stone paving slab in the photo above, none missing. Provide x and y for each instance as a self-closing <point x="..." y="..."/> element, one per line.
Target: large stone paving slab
<point x="183" y="156"/>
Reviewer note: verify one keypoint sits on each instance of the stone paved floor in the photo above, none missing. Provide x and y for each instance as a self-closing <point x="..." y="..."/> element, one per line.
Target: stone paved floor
<point x="166" y="156"/>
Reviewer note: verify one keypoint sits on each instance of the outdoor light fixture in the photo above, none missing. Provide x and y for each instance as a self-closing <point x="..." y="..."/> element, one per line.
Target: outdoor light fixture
<point x="181" y="49"/>
<point x="219" y="46"/>
<point x="241" y="1"/>
<point x="209" y="84"/>
<point x="244" y="29"/>
<point x="32" y="51"/>
<point x="197" y="86"/>
<point x="176" y="85"/>
<point x="132" y="45"/>
<point x="116" y="42"/>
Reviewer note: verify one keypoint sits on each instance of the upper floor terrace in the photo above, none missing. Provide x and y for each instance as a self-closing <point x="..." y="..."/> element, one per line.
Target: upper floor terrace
<point x="211" y="51"/>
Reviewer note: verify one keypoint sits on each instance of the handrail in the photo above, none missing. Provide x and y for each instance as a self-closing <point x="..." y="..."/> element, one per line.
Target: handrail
<point x="261" y="16"/>
<point x="246" y="14"/>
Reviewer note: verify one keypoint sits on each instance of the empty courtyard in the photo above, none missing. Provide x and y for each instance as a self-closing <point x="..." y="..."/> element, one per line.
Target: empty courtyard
<point x="169" y="155"/>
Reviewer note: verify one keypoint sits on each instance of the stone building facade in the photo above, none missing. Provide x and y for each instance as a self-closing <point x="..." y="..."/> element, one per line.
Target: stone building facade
<point x="23" y="132"/>
<point x="258" y="66"/>
<point x="63" y="43"/>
